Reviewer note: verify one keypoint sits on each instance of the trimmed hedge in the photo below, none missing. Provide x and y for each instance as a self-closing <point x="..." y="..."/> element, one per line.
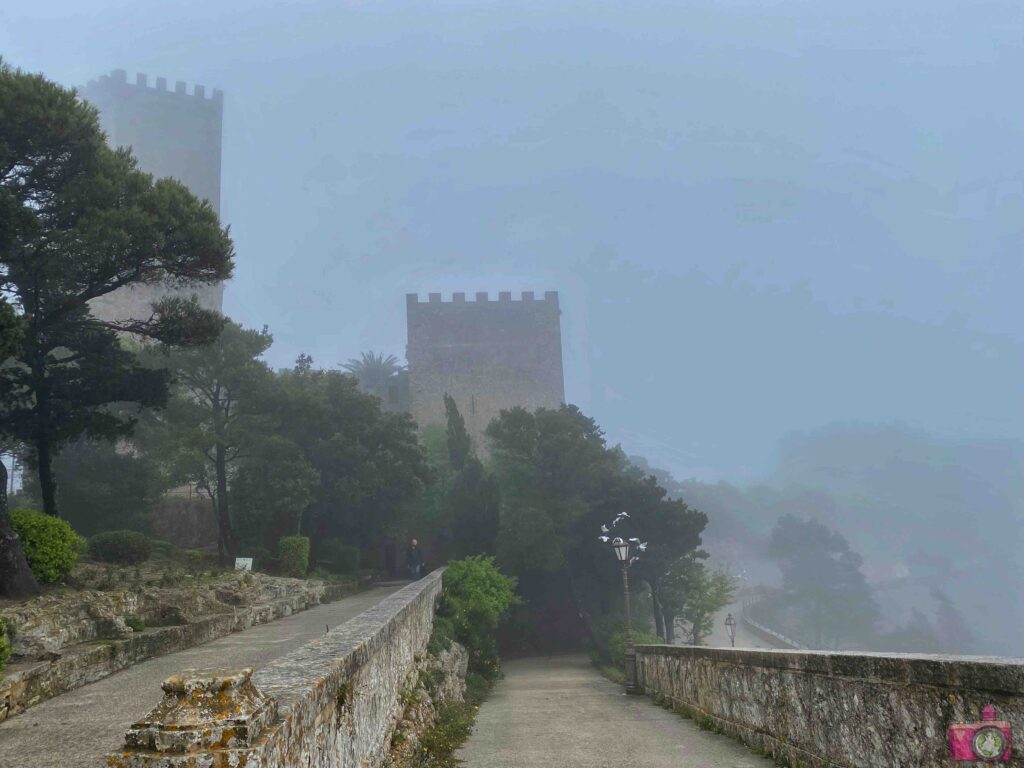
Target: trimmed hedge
<point x="121" y="547"/>
<point x="49" y="543"/>
<point x="338" y="557"/>
<point x="293" y="556"/>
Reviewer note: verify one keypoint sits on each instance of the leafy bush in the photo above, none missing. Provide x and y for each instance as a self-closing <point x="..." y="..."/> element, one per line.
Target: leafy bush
<point x="293" y="555"/>
<point x="161" y="548"/>
<point x="121" y="547"/>
<point x="262" y="559"/>
<point x="451" y="728"/>
<point x="5" y="644"/>
<point x="476" y="596"/>
<point x="609" y="641"/>
<point x="442" y="636"/>
<point x="198" y="560"/>
<point x="50" y="545"/>
<point x="477" y="687"/>
<point x="338" y="557"/>
<point x="617" y="643"/>
<point x="137" y="623"/>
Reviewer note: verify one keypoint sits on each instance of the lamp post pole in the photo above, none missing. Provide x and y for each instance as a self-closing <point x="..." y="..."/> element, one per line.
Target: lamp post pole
<point x="622" y="552"/>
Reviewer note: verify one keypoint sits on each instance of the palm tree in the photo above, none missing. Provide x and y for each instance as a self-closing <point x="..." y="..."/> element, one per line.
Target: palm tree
<point x="374" y="371"/>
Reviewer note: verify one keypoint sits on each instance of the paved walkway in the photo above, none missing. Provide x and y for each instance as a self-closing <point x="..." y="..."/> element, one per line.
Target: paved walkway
<point x="79" y="728"/>
<point x="719" y="636"/>
<point x="560" y="711"/>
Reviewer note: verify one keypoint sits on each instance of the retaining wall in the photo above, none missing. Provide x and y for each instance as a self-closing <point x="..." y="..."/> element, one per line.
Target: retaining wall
<point x="832" y="710"/>
<point x="333" y="703"/>
<point x="26" y="683"/>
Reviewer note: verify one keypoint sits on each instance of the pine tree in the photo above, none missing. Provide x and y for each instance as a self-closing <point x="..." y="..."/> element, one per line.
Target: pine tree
<point x="78" y="221"/>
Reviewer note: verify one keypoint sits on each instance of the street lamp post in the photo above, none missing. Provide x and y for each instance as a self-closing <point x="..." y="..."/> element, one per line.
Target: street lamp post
<point x="730" y="624"/>
<point x="622" y="548"/>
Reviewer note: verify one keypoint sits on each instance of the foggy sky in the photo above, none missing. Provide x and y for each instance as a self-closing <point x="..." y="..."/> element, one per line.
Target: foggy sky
<point x="763" y="217"/>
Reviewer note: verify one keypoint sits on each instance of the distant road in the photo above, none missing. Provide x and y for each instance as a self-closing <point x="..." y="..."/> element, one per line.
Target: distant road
<point x="719" y="637"/>
<point x="79" y="728"/>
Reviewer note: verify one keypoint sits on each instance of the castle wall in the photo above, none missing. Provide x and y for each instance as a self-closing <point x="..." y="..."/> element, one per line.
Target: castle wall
<point x="489" y="355"/>
<point x="172" y="133"/>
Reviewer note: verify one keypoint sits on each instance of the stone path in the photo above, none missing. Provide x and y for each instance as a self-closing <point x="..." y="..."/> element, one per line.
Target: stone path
<point x="719" y="636"/>
<point x="79" y="728"/>
<point x="559" y="711"/>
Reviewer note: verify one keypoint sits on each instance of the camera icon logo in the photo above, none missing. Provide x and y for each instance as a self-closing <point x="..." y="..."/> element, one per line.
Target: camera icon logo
<point x="989" y="740"/>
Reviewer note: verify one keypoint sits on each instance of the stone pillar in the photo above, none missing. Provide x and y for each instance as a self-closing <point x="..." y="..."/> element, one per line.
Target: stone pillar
<point x="217" y="716"/>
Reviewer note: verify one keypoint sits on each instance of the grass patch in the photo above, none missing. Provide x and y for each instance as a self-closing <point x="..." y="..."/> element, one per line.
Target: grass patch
<point x="614" y="674"/>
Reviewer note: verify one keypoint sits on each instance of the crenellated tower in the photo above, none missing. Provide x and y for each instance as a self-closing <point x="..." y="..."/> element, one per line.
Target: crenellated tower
<point x="489" y="355"/>
<point x="174" y="133"/>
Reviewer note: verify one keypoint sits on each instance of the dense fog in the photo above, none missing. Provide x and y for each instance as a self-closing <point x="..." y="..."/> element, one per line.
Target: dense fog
<point x="786" y="236"/>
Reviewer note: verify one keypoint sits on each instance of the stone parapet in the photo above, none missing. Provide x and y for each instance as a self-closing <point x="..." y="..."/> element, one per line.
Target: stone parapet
<point x="333" y="703"/>
<point x="826" y="710"/>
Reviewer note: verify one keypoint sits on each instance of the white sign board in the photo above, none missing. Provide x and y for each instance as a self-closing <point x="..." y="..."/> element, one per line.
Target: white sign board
<point x="243" y="563"/>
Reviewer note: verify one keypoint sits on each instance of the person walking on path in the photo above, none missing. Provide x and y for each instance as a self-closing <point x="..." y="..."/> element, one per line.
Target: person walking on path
<point x="414" y="560"/>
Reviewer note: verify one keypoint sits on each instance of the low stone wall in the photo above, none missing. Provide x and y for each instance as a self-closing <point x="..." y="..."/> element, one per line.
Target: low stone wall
<point x="333" y="703"/>
<point x="834" y="710"/>
<point x="80" y="638"/>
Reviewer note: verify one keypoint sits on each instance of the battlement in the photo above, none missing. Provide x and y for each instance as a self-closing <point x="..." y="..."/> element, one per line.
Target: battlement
<point x="119" y="79"/>
<point x="489" y="354"/>
<point x="482" y="297"/>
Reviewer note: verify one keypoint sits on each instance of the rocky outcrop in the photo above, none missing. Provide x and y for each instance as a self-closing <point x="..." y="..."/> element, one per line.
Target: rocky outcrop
<point x="816" y="709"/>
<point x="333" y="703"/>
<point x="435" y="681"/>
<point x="70" y="639"/>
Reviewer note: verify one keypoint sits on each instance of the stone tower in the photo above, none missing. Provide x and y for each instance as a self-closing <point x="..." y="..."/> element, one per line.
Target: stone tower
<point x="488" y="355"/>
<point x="171" y="133"/>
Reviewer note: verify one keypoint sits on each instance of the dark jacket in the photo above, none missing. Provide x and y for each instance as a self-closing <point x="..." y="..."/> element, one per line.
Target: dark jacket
<point x="414" y="558"/>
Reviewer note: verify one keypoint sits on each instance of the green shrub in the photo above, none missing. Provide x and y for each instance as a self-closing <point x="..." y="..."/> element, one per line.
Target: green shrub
<point x="477" y="687"/>
<point x="293" y="555"/>
<point x="476" y="596"/>
<point x="452" y="726"/>
<point x="262" y="559"/>
<point x="198" y="560"/>
<point x="50" y="545"/>
<point x="338" y="557"/>
<point x="442" y="636"/>
<point x="617" y="643"/>
<point x="161" y="548"/>
<point x="137" y="623"/>
<point x="5" y="644"/>
<point x="120" y="547"/>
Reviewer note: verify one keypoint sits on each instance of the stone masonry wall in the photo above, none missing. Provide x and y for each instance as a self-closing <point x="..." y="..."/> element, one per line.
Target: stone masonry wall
<point x="333" y="703"/>
<point x="64" y="641"/>
<point x="826" y="710"/>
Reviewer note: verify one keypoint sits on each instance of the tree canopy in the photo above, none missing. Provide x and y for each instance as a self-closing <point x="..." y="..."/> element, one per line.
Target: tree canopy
<point x="78" y="221"/>
<point x="822" y="581"/>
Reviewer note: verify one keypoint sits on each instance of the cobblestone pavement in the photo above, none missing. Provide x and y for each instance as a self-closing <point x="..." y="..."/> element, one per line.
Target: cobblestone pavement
<point x="79" y="728"/>
<point x="559" y="711"/>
